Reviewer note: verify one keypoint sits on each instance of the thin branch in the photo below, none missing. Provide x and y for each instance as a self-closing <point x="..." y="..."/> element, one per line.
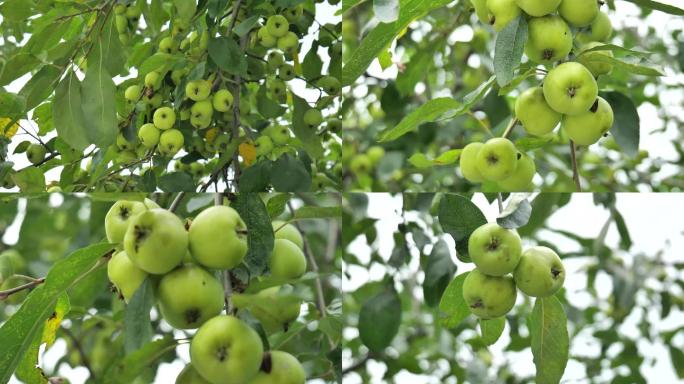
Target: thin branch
<point x="510" y="127"/>
<point x="176" y="201"/>
<point x="575" y="172"/>
<point x="7" y="293"/>
<point x="499" y="200"/>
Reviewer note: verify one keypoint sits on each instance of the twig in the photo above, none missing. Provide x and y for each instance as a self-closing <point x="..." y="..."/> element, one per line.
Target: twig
<point x="7" y="293"/>
<point x="79" y="348"/>
<point x="575" y="172"/>
<point x="176" y="201"/>
<point x="499" y="200"/>
<point x="510" y="127"/>
<point x="320" y="299"/>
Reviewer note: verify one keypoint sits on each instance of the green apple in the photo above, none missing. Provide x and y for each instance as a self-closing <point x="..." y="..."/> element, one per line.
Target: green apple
<point x="154" y="101"/>
<point x="153" y="80"/>
<point x="286" y="72"/>
<point x="288" y="43"/>
<point x="330" y="85"/>
<point x="588" y="127"/>
<point x="125" y="276"/>
<point x="481" y="10"/>
<point x="534" y="113"/>
<point x="226" y="350"/>
<point x="280" y="135"/>
<point x="196" y="170"/>
<point x="468" y="162"/>
<point x="538" y="8"/>
<point x="188" y="296"/>
<point x="287" y="260"/>
<point x="502" y="12"/>
<point x="123" y="37"/>
<point x="156" y="241"/>
<point x="294" y="14"/>
<point x="35" y="153"/>
<point x="170" y="142"/>
<point x="123" y="144"/>
<point x="263" y="145"/>
<point x="148" y="135"/>
<point x="521" y="179"/>
<point x="223" y="100"/>
<point x="198" y="90"/>
<point x="265" y="38"/>
<point x="167" y="45"/>
<point x="282" y="368"/>
<point x="202" y="110"/>
<point x="361" y="164"/>
<point x="375" y="154"/>
<point x="277" y="26"/>
<point x="200" y="121"/>
<point x="288" y="232"/>
<point x="334" y="125"/>
<point x="274" y="60"/>
<point x="540" y="273"/>
<point x="221" y="142"/>
<point x="121" y="24"/>
<point x="488" y="297"/>
<point x="133" y="93"/>
<point x="180" y="27"/>
<point x="497" y="159"/>
<point x="313" y="118"/>
<point x="601" y="28"/>
<point x="133" y="12"/>
<point x="218" y="238"/>
<point x="578" y="13"/>
<point x="189" y="375"/>
<point x="591" y="60"/>
<point x="277" y="88"/>
<point x="494" y="250"/>
<point x="119" y="9"/>
<point x="119" y="217"/>
<point x="570" y="88"/>
<point x="164" y="118"/>
<point x="277" y="308"/>
<point x="549" y="39"/>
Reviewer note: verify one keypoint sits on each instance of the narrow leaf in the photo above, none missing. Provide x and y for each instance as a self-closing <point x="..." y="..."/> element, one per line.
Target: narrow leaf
<point x="549" y="339"/>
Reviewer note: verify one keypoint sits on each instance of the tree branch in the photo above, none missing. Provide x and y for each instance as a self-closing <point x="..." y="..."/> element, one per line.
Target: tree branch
<point x="575" y="172"/>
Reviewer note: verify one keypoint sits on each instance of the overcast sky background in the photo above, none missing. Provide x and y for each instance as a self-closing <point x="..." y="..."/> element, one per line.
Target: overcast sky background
<point x="654" y="222"/>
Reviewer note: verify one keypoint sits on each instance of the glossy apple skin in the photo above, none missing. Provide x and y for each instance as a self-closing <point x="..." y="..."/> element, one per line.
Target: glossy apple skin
<point x="494" y="250"/>
<point x="164" y="118"/>
<point x="189" y="375"/>
<point x="521" y="180"/>
<point x="149" y="135"/>
<point x="125" y="276"/>
<point x="587" y="128"/>
<point x="503" y="12"/>
<point x="570" y="88"/>
<point x="540" y="272"/>
<point x="288" y="232"/>
<point x="496" y="160"/>
<point x="285" y="369"/>
<point x="119" y="217"/>
<point x="188" y="296"/>
<point x="156" y="241"/>
<point x="489" y="297"/>
<point x="217" y="238"/>
<point x="549" y="39"/>
<point x="287" y="260"/>
<point x="225" y="350"/>
<point x="578" y="13"/>
<point x="538" y="8"/>
<point x="468" y="162"/>
<point x="535" y="114"/>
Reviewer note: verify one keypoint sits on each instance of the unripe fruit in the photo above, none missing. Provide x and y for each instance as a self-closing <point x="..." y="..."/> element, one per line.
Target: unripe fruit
<point x="198" y="90"/>
<point x="540" y="272"/>
<point x="494" y="249"/>
<point x="170" y="142"/>
<point x="148" y="135"/>
<point x="488" y="297"/>
<point x="288" y="43"/>
<point x="330" y="85"/>
<point x="534" y="113"/>
<point x="468" y="163"/>
<point x="123" y="144"/>
<point x="538" y="8"/>
<point x="277" y="26"/>
<point x="360" y="164"/>
<point x="188" y="296"/>
<point x="283" y="368"/>
<point x="288" y="232"/>
<point x="578" y="13"/>
<point x="265" y="38"/>
<point x="497" y="159"/>
<point x="313" y="118"/>
<point x="591" y="60"/>
<point x="132" y="93"/>
<point x="263" y="145"/>
<point x="119" y="217"/>
<point x="283" y="311"/>
<point x="570" y="88"/>
<point x="35" y="153"/>
<point x="549" y="39"/>
<point x="189" y="375"/>
<point x="274" y="60"/>
<point x="125" y="276"/>
<point x="223" y="100"/>
<point x="503" y="12"/>
<point x="587" y="128"/>
<point x="287" y="260"/>
<point x="601" y="28"/>
<point x="156" y="241"/>
<point x="153" y="80"/>
<point x="218" y="238"/>
<point x="202" y="110"/>
<point x="521" y="179"/>
<point x="167" y="45"/>
<point x="164" y="118"/>
<point x="280" y="135"/>
<point x="286" y="72"/>
<point x="121" y="24"/>
<point x="226" y="350"/>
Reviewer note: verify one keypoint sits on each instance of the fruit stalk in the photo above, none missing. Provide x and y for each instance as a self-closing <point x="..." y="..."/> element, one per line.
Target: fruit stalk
<point x="575" y="173"/>
<point x="510" y="127"/>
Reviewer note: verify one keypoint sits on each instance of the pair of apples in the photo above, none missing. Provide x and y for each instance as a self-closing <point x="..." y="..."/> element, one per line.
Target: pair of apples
<point x="489" y="290"/>
<point x="498" y="161"/>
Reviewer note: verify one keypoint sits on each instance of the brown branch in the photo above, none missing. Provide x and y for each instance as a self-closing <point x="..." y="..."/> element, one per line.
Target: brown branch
<point x="7" y="293"/>
<point x="575" y="172"/>
<point x="176" y="201"/>
<point x="510" y="127"/>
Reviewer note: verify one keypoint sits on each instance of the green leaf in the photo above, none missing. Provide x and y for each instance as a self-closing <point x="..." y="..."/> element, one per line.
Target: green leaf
<point x="127" y="369"/>
<point x="491" y="329"/>
<point x="459" y="217"/>
<point x="386" y="11"/>
<point x="158" y="62"/>
<point x="312" y="64"/>
<point x="18" y="65"/>
<point x="276" y="204"/>
<point x="425" y="113"/>
<point x="625" y="128"/>
<point x="419" y="160"/>
<point x="67" y="114"/>
<point x="20" y="329"/>
<point x="622" y="64"/>
<point x="289" y="175"/>
<point x="244" y="27"/>
<point x="383" y="34"/>
<point x="510" y="44"/>
<point x="677" y="357"/>
<point x="529" y="143"/>
<point x="439" y="269"/>
<point x="625" y="238"/>
<point x="474" y="97"/>
<point x="267" y="107"/>
<point x="186" y="8"/>
<point x="107" y="48"/>
<point x="137" y="328"/>
<point x="549" y="339"/>
<point x="227" y="55"/>
<point x="30" y="180"/>
<point x="256" y="177"/>
<point x="452" y="305"/>
<point x="309" y="212"/>
<point x="671" y="9"/>
<point x="17" y="10"/>
<point x="176" y="182"/>
<point x="11" y="105"/>
<point x="517" y="212"/>
<point x="379" y="320"/>
<point x="308" y="137"/>
<point x="41" y="85"/>
<point x="260" y="238"/>
<point x="98" y="94"/>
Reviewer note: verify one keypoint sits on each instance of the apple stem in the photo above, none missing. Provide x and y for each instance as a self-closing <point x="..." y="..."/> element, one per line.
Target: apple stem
<point x="510" y="127"/>
<point x="575" y="172"/>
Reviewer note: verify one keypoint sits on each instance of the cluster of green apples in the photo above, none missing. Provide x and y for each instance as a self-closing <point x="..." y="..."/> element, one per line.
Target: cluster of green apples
<point x="489" y="290"/>
<point x="364" y="163"/>
<point x="126" y="19"/>
<point x="569" y="93"/>
<point x="178" y="257"/>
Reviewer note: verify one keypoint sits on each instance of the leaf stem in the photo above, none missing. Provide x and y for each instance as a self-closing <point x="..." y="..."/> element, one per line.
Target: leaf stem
<point x="510" y="127"/>
<point x="575" y="172"/>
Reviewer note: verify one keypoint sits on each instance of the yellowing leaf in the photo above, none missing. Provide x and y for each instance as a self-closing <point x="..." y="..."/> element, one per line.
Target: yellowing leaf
<point x="8" y="130"/>
<point x="211" y="135"/>
<point x="248" y="153"/>
<point x="54" y="321"/>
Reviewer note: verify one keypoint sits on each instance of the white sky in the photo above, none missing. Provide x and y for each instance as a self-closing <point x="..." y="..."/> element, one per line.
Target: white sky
<point x="654" y="222"/>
